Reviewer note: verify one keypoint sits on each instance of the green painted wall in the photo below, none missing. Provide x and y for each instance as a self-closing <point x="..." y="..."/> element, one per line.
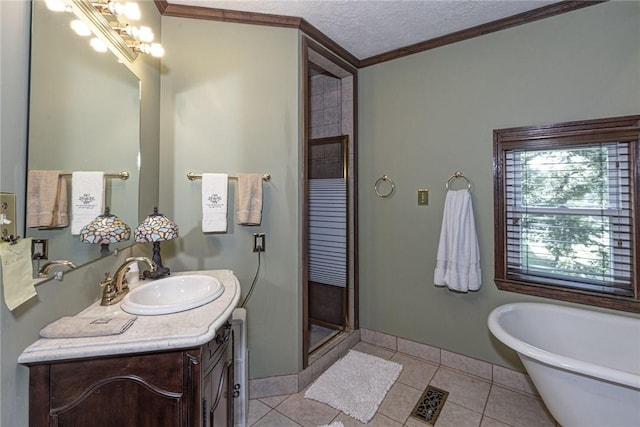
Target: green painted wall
<point x="230" y="104"/>
<point x="428" y="115"/>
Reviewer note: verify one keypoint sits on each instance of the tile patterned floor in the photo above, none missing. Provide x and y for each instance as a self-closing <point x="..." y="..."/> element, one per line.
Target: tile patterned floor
<point x="472" y="402"/>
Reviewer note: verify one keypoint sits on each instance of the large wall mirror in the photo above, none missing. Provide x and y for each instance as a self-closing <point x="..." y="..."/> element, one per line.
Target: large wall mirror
<point x="84" y="116"/>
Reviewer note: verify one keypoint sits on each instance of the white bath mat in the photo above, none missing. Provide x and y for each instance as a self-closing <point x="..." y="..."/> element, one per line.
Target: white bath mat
<point x="355" y="384"/>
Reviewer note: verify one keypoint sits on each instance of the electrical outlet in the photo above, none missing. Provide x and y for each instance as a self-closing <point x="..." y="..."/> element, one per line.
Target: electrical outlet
<point x="259" y="242"/>
<point x="40" y="249"/>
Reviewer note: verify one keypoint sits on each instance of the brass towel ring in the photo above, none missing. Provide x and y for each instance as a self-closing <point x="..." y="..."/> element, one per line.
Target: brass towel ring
<point x="376" y="186"/>
<point x="456" y="175"/>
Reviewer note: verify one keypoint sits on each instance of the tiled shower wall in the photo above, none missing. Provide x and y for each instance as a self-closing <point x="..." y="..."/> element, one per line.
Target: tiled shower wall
<point x="326" y="106"/>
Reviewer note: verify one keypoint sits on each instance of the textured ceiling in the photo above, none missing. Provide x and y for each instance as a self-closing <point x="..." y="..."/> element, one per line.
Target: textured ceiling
<point x="369" y="27"/>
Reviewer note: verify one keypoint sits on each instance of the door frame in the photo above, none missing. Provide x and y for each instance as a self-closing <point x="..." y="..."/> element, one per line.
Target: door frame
<point x="310" y="47"/>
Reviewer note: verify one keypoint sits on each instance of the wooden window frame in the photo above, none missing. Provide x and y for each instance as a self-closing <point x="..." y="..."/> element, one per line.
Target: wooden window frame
<point x="622" y="129"/>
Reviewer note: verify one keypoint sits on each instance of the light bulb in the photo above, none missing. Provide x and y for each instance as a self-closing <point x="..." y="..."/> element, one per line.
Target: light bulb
<point x="145" y="34"/>
<point x="129" y="9"/>
<point x="157" y="50"/>
<point x="132" y="11"/>
<point x="98" y="45"/>
<point x="80" y="28"/>
<point x="56" y="5"/>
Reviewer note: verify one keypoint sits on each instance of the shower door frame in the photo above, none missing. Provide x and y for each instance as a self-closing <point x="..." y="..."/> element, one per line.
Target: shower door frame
<point x="343" y="325"/>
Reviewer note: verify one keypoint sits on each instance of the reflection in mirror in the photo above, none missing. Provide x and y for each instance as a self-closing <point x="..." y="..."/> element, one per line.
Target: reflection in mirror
<point x="84" y="116"/>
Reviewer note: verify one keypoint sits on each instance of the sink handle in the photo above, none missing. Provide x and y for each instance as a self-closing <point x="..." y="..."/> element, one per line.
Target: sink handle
<point x="109" y="291"/>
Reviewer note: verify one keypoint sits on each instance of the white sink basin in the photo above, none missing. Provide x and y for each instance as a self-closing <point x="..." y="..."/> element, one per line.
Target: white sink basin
<point x="172" y="294"/>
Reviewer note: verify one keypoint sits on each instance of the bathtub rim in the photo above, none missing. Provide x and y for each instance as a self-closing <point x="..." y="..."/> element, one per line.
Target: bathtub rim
<point x="590" y="369"/>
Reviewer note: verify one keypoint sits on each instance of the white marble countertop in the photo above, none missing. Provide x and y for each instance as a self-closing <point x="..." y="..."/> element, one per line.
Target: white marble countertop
<point x="174" y="331"/>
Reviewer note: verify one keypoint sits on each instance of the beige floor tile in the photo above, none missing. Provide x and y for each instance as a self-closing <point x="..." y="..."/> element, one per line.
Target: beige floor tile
<point x="517" y="409"/>
<point x="257" y="410"/>
<point x="379" y="339"/>
<point x="378" y="420"/>
<point x="467" y="364"/>
<point x="273" y="386"/>
<point x="374" y="350"/>
<point x="307" y="412"/>
<point x="399" y="402"/>
<point x="490" y="422"/>
<point x="453" y="415"/>
<point x="415" y="373"/>
<point x="464" y="390"/>
<point x="421" y="351"/>
<point x="414" y="422"/>
<point x="275" y="419"/>
<point x="275" y="400"/>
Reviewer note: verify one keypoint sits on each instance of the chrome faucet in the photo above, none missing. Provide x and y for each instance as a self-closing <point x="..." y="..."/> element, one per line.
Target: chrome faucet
<point x="117" y="287"/>
<point x="43" y="272"/>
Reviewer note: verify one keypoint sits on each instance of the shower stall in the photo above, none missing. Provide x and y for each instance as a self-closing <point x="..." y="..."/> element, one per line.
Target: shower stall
<point x="330" y="195"/>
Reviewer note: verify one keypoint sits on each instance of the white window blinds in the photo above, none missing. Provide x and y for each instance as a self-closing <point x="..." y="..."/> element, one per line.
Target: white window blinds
<point x="569" y="216"/>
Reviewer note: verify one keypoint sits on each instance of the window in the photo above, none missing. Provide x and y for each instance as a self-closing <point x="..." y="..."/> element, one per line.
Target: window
<point x="566" y="213"/>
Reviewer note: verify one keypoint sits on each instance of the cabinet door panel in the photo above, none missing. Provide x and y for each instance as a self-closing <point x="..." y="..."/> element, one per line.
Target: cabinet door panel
<point x="123" y="402"/>
<point x="218" y="390"/>
<point x="159" y="372"/>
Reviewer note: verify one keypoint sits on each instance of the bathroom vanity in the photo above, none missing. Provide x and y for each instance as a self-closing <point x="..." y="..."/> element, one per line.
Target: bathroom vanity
<point x="167" y="370"/>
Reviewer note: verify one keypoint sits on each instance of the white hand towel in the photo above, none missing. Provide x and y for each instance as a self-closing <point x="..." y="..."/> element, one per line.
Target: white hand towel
<point x="249" y="199"/>
<point x="458" y="259"/>
<point x="214" y="202"/>
<point x="87" y="198"/>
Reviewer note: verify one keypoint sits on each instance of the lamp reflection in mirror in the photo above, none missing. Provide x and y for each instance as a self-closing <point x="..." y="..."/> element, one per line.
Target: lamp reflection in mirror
<point x="156" y="228"/>
<point x="106" y="228"/>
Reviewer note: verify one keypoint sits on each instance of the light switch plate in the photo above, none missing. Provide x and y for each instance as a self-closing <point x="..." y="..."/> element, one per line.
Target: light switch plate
<point x="423" y="197"/>
<point x="7" y="215"/>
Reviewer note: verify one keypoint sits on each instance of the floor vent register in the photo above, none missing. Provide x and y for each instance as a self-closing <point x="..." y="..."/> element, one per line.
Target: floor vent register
<point x="429" y="405"/>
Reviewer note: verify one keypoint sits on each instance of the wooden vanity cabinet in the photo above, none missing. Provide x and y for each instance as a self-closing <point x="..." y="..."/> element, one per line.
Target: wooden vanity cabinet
<point x="182" y="388"/>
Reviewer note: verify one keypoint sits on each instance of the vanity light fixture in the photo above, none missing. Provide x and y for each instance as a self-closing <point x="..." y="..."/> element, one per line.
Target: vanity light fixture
<point x="105" y="229"/>
<point x="107" y="19"/>
<point x="156" y="228"/>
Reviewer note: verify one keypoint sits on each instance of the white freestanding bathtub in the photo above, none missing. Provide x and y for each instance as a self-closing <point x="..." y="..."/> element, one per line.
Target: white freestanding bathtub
<point x="585" y="364"/>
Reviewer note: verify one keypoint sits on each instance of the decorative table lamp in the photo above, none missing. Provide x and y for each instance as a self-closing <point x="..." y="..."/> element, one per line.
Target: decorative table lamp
<point x="106" y="228"/>
<point x="156" y="228"/>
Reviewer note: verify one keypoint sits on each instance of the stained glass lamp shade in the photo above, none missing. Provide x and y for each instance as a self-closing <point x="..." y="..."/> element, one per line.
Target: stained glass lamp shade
<point x="105" y="229"/>
<point x="156" y="228"/>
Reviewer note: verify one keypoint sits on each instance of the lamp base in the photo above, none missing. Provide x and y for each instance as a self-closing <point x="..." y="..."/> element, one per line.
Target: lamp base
<point x="161" y="271"/>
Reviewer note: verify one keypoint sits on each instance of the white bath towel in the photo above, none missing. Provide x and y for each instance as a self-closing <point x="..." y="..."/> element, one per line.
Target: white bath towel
<point x="458" y="259"/>
<point x="87" y="198"/>
<point x="214" y="202"/>
<point x="249" y="199"/>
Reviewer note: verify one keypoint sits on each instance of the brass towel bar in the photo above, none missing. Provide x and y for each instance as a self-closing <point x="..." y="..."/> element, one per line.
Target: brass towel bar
<point x="123" y="175"/>
<point x="193" y="176"/>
